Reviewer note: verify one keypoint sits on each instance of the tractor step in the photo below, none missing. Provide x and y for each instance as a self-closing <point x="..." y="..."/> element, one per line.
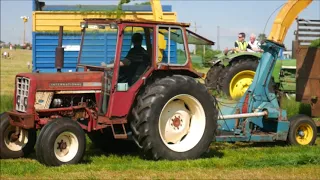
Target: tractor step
<point x="119" y="135"/>
<point x="105" y="120"/>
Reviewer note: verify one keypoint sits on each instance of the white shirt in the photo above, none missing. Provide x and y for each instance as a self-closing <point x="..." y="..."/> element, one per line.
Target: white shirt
<point x="254" y="45"/>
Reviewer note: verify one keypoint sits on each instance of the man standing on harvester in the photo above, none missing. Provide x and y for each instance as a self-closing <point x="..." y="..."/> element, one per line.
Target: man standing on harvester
<point x="242" y="46"/>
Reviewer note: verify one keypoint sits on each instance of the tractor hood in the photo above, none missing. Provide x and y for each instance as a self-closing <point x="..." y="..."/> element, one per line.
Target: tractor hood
<point x="64" y="81"/>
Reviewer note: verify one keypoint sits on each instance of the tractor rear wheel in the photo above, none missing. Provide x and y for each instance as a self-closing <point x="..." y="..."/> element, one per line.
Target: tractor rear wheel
<point x="302" y="131"/>
<point x="212" y="76"/>
<point x="236" y="78"/>
<point x="20" y="147"/>
<point x="175" y="118"/>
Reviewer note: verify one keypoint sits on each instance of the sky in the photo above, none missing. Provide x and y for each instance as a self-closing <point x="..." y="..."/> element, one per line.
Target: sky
<point x="232" y="17"/>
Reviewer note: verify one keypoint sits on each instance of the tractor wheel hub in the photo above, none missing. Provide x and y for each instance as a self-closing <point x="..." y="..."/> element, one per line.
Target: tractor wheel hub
<point x="177" y="122"/>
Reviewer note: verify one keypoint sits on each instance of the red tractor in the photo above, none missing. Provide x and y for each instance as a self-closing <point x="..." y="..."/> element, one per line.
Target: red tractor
<point x="157" y="102"/>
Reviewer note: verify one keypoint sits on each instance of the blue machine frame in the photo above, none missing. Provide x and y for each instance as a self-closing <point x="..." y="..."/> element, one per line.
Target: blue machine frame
<point x="257" y="116"/>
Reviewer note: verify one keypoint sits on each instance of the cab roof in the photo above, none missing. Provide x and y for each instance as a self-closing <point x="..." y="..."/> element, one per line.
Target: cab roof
<point x="193" y="38"/>
<point x="142" y="21"/>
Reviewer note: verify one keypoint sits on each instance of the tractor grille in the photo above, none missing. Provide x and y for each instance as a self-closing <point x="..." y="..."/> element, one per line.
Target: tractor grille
<point x="23" y="85"/>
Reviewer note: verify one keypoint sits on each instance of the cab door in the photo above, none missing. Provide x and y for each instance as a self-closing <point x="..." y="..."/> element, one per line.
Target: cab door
<point x="129" y="79"/>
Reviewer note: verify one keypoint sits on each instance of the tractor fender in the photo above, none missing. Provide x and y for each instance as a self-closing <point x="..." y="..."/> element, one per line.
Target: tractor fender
<point x="244" y="55"/>
<point x="181" y="71"/>
<point x="216" y="62"/>
<point x="158" y="74"/>
<point x="225" y="60"/>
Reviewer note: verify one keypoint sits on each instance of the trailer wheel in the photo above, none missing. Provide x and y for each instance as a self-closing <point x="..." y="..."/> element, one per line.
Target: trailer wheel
<point x="62" y="142"/>
<point x="302" y="131"/>
<point x="23" y="146"/>
<point x="175" y="119"/>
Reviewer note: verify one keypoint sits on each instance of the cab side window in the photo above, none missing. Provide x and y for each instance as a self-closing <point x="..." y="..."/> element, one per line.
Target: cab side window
<point x="175" y="51"/>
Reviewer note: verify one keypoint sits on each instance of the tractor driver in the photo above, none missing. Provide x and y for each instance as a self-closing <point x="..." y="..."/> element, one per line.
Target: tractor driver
<point x="137" y="54"/>
<point x="136" y="61"/>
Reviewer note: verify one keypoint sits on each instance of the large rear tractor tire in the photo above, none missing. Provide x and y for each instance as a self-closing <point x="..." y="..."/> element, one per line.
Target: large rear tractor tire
<point x="15" y="148"/>
<point x="302" y="131"/>
<point x="61" y="141"/>
<point x="175" y="118"/>
<point x="236" y="78"/>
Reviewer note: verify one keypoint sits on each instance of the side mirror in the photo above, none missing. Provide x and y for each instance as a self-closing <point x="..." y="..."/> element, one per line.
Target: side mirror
<point x="84" y="25"/>
<point x="113" y="25"/>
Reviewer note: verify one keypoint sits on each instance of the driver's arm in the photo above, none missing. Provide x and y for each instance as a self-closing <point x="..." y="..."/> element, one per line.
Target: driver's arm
<point x="125" y="62"/>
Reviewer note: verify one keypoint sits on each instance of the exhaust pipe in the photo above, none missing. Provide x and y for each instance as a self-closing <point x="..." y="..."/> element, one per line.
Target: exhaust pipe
<point x="59" y="52"/>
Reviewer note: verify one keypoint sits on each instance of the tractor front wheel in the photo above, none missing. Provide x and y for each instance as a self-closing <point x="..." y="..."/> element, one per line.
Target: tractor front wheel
<point x="61" y="141"/>
<point x="175" y="119"/>
<point x="20" y="146"/>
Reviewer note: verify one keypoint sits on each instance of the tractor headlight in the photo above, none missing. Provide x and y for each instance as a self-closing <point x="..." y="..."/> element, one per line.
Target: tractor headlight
<point x="25" y="101"/>
<point x="84" y="25"/>
<point x="18" y="100"/>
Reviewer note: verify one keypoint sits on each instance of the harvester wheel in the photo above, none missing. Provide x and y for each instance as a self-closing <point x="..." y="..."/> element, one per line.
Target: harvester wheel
<point x="175" y="119"/>
<point x="302" y="131"/>
<point x="61" y="142"/>
<point x="15" y="148"/>
<point x="212" y="77"/>
<point x="236" y="78"/>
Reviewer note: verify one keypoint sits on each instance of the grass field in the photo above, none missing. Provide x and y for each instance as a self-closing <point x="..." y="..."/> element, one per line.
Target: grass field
<point x="223" y="161"/>
<point x="10" y="67"/>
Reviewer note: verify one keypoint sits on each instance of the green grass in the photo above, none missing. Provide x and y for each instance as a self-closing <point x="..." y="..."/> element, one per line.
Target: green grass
<point x="223" y="161"/>
<point x="259" y="159"/>
<point x="6" y="103"/>
<point x="294" y="107"/>
<point x="12" y="66"/>
<point x="16" y="63"/>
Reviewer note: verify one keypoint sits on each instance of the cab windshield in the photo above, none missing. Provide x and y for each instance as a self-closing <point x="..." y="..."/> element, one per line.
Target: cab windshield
<point x="99" y="44"/>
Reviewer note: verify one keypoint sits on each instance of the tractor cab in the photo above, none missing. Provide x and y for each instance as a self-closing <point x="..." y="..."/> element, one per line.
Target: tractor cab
<point x="163" y="46"/>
